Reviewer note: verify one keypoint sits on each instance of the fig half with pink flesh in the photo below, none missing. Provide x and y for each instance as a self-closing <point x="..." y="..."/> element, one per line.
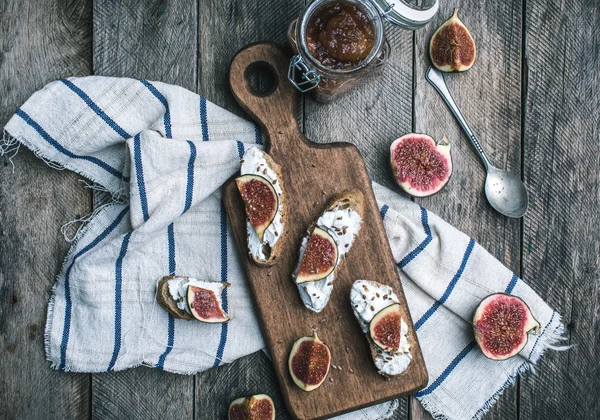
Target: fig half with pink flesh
<point x="502" y="324"/>
<point x="261" y="201"/>
<point x="320" y="257"/>
<point x="452" y="47"/>
<point x="420" y="166"/>
<point x="309" y="362"/>
<point x="205" y="305"/>
<point x="255" y="407"/>
<point x="385" y="327"/>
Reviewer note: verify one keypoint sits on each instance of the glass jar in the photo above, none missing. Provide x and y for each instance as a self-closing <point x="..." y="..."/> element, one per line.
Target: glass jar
<point x="308" y="73"/>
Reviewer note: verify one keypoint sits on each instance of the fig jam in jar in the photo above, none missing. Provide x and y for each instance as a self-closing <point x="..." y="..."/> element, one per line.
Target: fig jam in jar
<point x="339" y="42"/>
<point x="340" y="36"/>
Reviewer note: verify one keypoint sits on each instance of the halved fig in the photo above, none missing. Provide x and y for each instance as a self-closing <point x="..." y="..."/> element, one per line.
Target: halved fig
<point x="255" y="407"/>
<point x="502" y="323"/>
<point x="320" y="257"/>
<point x="309" y="362"/>
<point x="385" y="327"/>
<point x="205" y="305"/>
<point x="452" y="47"/>
<point x="420" y="166"/>
<point x="261" y="201"/>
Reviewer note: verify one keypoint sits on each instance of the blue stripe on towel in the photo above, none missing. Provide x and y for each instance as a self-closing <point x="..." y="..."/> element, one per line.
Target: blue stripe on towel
<point x="171" y="324"/>
<point x="29" y="121"/>
<point x="139" y="172"/>
<point x="411" y="255"/>
<point x="118" y="300"/>
<point x="447" y="371"/>
<point x="68" y="305"/>
<point x="450" y="287"/>
<point x="383" y="211"/>
<point x="257" y="134"/>
<point x="223" y="340"/>
<point x="163" y="100"/>
<point x="512" y="284"/>
<point x="111" y="123"/>
<point x="240" y="148"/>
<point x="203" y="119"/>
<point x="171" y="242"/>
<point x="189" y="191"/>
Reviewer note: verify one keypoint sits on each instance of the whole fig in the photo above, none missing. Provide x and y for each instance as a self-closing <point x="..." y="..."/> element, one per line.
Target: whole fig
<point x="452" y="47"/>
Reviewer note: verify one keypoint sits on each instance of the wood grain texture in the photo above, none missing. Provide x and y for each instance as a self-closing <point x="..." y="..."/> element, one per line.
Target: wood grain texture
<point x="246" y="376"/>
<point x="227" y="26"/>
<point x="489" y="95"/>
<point x="312" y="173"/>
<point x="39" y="42"/>
<point x="154" y="40"/>
<point x="561" y="238"/>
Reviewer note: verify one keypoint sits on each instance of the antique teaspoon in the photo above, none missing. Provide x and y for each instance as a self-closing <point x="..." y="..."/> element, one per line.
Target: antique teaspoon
<point x="504" y="191"/>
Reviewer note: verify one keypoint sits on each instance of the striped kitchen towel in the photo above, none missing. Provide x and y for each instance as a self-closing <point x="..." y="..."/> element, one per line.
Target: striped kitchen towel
<point x="163" y="153"/>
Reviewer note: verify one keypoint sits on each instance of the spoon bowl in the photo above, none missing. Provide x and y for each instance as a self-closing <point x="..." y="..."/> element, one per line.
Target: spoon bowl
<point x="506" y="193"/>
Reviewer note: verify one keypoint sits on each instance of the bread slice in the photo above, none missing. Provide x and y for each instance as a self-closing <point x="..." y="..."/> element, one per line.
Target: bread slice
<point x="367" y="299"/>
<point x="315" y="295"/>
<point x="272" y="252"/>
<point x="166" y="300"/>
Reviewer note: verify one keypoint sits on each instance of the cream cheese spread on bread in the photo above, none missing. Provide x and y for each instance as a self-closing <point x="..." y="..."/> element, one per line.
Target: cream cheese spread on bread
<point x="343" y="225"/>
<point x="178" y="288"/>
<point x="367" y="299"/>
<point x="254" y="163"/>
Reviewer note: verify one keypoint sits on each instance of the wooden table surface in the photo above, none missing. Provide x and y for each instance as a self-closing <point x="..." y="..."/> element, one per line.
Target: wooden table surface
<point x="533" y="97"/>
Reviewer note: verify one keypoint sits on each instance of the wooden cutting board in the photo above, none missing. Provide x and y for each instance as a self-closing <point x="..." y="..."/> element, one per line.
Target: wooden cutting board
<point x="312" y="173"/>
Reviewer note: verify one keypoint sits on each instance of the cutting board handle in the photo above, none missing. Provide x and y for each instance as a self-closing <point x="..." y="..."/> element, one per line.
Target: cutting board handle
<point x="274" y="105"/>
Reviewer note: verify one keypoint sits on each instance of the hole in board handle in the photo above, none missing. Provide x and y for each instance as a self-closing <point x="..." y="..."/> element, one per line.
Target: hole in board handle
<point x="261" y="78"/>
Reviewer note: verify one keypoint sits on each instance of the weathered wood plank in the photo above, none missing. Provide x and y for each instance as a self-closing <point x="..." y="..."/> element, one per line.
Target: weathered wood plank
<point x="489" y="96"/>
<point x="226" y="27"/>
<point x="39" y="42"/>
<point x="154" y="40"/>
<point x="561" y="238"/>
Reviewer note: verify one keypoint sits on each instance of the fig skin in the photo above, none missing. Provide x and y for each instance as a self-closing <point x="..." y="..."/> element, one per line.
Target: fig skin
<point x="255" y="407"/>
<point x="452" y="48"/>
<point x="522" y="323"/>
<point x="262" y="224"/>
<point x="319" y="235"/>
<point x="318" y="349"/>
<point x="442" y="148"/>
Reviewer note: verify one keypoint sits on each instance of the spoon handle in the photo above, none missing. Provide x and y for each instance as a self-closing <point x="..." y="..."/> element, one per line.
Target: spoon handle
<point x="436" y="78"/>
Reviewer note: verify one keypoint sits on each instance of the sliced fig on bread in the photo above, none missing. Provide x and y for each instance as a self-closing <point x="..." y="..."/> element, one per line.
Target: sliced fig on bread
<point x="189" y="298"/>
<point x="205" y="304"/>
<point x="377" y="310"/>
<point x="320" y="257"/>
<point x="261" y="201"/>
<point x="326" y="245"/>
<point x="262" y="189"/>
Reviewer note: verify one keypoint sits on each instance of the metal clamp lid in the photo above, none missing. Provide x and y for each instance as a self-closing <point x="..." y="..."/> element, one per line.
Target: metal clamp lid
<point x="311" y="77"/>
<point x="405" y="14"/>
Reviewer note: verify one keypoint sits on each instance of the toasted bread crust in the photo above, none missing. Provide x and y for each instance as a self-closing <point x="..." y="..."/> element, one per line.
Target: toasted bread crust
<point x="354" y="198"/>
<point x="166" y="301"/>
<point x="276" y="249"/>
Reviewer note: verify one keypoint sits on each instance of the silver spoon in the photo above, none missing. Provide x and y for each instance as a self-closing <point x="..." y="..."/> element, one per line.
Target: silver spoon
<point x="504" y="191"/>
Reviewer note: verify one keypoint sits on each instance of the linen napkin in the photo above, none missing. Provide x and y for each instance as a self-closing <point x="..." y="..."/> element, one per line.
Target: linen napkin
<point x="163" y="152"/>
